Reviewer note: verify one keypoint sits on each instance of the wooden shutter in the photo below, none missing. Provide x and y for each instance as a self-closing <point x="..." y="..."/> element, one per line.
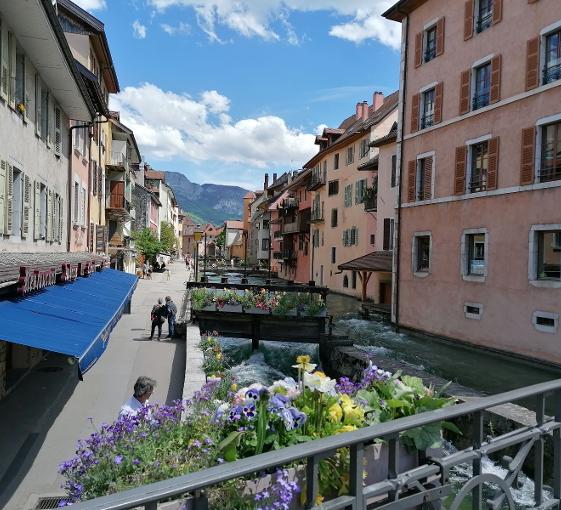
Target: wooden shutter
<point x="37" y="211"/>
<point x="58" y="131"/>
<point x="411" y="180"/>
<point x="50" y="135"/>
<point x="50" y="218"/>
<point x="465" y="82"/>
<point x="497" y="11"/>
<point x="394" y="171"/>
<point x="418" y="49"/>
<point x="468" y="20"/>
<point x="387" y="234"/>
<point x="61" y="220"/>
<point x="440" y="37"/>
<point x="493" y="167"/>
<point x="100" y="181"/>
<point x="9" y="198"/>
<point x="495" y="94"/>
<point x="26" y="205"/>
<point x="38" y="112"/>
<point x="91" y="240"/>
<point x="528" y="154"/>
<point x="3" y="173"/>
<point x="415" y="105"/>
<point x="438" y="97"/>
<point x="427" y="179"/>
<point x="460" y="170"/>
<point x="533" y="63"/>
<point x="12" y="67"/>
<point x="4" y="66"/>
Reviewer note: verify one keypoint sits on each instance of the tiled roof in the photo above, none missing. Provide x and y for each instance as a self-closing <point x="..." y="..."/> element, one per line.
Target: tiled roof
<point x="384" y="140"/>
<point x="154" y="174"/>
<point x="375" y="261"/>
<point x="234" y="224"/>
<point x="249" y="194"/>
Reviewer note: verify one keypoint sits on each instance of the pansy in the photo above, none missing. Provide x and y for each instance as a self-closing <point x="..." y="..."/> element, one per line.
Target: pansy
<point x="249" y="411"/>
<point x="318" y="381"/>
<point x="235" y="413"/>
<point x="298" y="416"/>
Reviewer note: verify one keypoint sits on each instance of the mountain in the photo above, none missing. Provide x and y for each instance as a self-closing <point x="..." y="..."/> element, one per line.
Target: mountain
<point x="212" y="203"/>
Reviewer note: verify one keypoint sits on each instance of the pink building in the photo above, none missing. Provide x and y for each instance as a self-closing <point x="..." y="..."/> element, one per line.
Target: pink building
<point x="480" y="161"/>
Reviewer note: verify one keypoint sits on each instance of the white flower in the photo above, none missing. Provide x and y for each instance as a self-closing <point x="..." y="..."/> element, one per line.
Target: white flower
<point x="318" y="381"/>
<point x="308" y="367"/>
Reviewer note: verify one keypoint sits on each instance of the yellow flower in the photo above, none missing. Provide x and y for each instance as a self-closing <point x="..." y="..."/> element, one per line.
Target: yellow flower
<point x="303" y="359"/>
<point x="234" y="387"/>
<point x="345" y="428"/>
<point x="219" y="356"/>
<point x="335" y="413"/>
<point x="319" y="499"/>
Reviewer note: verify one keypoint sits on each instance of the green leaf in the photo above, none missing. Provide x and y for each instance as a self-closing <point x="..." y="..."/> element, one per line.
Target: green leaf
<point x="416" y="383"/>
<point x="451" y="427"/>
<point x="425" y="437"/>
<point x="229" y="446"/>
<point x="396" y="403"/>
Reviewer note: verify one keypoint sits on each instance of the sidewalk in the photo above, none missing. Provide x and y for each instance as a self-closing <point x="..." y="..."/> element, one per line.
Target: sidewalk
<point x="45" y="415"/>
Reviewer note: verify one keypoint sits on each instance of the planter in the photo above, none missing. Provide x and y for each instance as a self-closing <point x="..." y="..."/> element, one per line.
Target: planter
<point x="230" y="308"/>
<point x="256" y="311"/>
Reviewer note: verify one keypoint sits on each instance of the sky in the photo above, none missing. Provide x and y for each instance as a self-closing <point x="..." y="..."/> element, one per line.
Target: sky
<point x="226" y="90"/>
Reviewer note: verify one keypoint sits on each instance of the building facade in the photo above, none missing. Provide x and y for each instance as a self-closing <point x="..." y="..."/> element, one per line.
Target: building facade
<point x="480" y="163"/>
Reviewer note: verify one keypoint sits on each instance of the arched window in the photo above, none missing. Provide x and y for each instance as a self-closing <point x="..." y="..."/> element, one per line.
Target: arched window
<point x="345" y="281"/>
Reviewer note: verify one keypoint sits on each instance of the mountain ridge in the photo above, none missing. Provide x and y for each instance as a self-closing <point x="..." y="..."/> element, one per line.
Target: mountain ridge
<point x="211" y="203"/>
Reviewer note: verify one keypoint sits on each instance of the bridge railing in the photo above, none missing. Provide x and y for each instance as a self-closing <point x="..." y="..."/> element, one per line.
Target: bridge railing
<point x="309" y="289"/>
<point x="427" y="484"/>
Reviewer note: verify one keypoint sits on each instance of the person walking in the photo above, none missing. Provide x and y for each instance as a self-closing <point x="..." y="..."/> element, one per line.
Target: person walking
<point x="157" y="316"/>
<point x="171" y="312"/>
<point x="143" y="389"/>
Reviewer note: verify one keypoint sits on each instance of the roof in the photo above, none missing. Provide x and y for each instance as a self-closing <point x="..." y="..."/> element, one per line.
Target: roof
<point x="93" y="88"/>
<point x="234" y="224"/>
<point x="109" y="73"/>
<point x="391" y="137"/>
<point x="116" y="121"/>
<point x="401" y="9"/>
<point x="154" y="174"/>
<point x="250" y="195"/>
<point x="371" y="164"/>
<point x="357" y="127"/>
<point x="277" y="200"/>
<point x="150" y="192"/>
<point x="373" y="262"/>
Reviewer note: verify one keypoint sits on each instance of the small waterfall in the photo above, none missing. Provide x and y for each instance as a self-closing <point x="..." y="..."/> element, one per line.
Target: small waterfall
<point x="255" y="369"/>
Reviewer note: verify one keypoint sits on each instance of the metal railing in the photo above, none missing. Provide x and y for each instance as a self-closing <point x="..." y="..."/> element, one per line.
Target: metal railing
<point x="484" y="21"/>
<point x="317" y="214"/>
<point x="430" y="53"/>
<point x="551" y="73"/>
<point x="549" y="171"/>
<point x="289" y="203"/>
<point x="428" y="483"/>
<point x="427" y="120"/>
<point x="481" y="99"/>
<point x="478" y="183"/>
<point x="317" y="180"/>
<point x="371" y="203"/>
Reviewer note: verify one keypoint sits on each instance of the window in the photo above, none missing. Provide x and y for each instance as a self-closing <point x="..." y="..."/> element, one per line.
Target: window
<point x="333" y="218"/>
<point x="372" y="239"/>
<point x="427" y="105"/>
<point x="76" y="198"/>
<point x="348" y="195"/>
<point x="423" y="181"/>
<point x="350" y="237"/>
<point x="430" y="44"/>
<point x="266" y="224"/>
<point x="360" y="190"/>
<point x="345" y="281"/>
<point x="364" y="148"/>
<point x="336" y="162"/>
<point x="388" y="234"/>
<point x="422" y="252"/>
<point x="552" y="68"/>
<point x="20" y="79"/>
<point x="546" y="322"/>
<point x="324" y="167"/>
<point x="333" y="255"/>
<point x="43" y="212"/>
<point x="17" y="196"/>
<point x="479" y="167"/>
<point x="315" y="239"/>
<point x="482" y="88"/>
<point x="333" y="188"/>
<point x="476" y="262"/>
<point x="394" y="171"/>
<point x="44" y="113"/>
<point x="353" y="280"/>
<point x="550" y="169"/>
<point x="350" y="155"/>
<point x="484" y="15"/>
<point x="549" y="255"/>
<point x="473" y="311"/>
<point x="265" y="244"/>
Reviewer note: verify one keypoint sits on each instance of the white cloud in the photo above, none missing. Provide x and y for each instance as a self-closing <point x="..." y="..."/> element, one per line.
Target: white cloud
<point x="139" y="30"/>
<point x="176" y="126"/>
<point x="180" y="28"/>
<point x="91" y="5"/>
<point x="252" y="18"/>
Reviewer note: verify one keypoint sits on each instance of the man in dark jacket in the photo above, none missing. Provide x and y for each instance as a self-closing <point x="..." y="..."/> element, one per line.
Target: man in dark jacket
<point x="157" y="316"/>
<point x="171" y="312"/>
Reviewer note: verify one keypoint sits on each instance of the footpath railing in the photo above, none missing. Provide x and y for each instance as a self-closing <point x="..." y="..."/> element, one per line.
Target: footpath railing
<point x="427" y="484"/>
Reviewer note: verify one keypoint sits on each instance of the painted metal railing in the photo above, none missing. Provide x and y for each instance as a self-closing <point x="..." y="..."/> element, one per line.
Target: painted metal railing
<point x="429" y="484"/>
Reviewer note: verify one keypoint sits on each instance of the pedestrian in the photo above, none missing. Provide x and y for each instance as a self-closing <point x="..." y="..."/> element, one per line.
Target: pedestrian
<point x="168" y="274"/>
<point x="157" y="316"/>
<point x="171" y="312"/>
<point x="149" y="272"/>
<point x="143" y="389"/>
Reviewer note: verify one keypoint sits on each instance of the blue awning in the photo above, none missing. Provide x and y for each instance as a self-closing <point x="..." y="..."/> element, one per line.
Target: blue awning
<point x="73" y="319"/>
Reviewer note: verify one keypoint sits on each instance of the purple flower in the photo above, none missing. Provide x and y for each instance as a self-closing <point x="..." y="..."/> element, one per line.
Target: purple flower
<point x="118" y="459"/>
<point x="249" y="411"/>
<point x="197" y="443"/>
<point x="235" y="414"/>
<point x="298" y="416"/>
<point x="136" y="462"/>
<point x="346" y="386"/>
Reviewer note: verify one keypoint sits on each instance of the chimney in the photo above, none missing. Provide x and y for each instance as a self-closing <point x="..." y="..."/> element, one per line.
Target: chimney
<point x="377" y="100"/>
<point x="274" y="177"/>
<point x="266" y="185"/>
<point x="365" y="110"/>
<point x="358" y="111"/>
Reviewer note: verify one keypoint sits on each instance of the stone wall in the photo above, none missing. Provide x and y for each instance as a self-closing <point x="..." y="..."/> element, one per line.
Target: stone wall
<point x="140" y="203"/>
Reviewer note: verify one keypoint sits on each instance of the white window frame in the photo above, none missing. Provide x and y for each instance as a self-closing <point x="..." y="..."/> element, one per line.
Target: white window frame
<point x="420" y="274"/>
<point x="544" y="32"/>
<point x="533" y="257"/>
<point x="473" y="316"/>
<point x="430" y="25"/>
<point x="473" y="79"/>
<point x="540" y="124"/>
<point x="476" y="17"/>
<point x="464" y="249"/>
<point x="469" y="144"/>
<point x="552" y="330"/>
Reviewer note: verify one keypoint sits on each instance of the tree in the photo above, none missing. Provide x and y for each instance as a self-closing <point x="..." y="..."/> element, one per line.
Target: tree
<point x="146" y="243"/>
<point x="221" y="239"/>
<point x="167" y="237"/>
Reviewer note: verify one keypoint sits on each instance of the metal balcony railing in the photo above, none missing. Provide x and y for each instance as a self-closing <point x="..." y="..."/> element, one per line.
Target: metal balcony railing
<point x="429" y="483"/>
<point x="430" y="53"/>
<point x="478" y="183"/>
<point x="370" y="201"/>
<point x="119" y="159"/>
<point x="484" y="21"/>
<point x="317" y="215"/>
<point x="289" y="203"/>
<point x="318" y="180"/>
<point x="550" y="171"/>
<point x="551" y="73"/>
<point x="480" y="99"/>
<point x="288" y="255"/>
<point x="427" y="120"/>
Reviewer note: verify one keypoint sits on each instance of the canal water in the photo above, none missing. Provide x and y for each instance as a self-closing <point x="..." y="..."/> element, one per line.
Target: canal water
<point x="485" y="371"/>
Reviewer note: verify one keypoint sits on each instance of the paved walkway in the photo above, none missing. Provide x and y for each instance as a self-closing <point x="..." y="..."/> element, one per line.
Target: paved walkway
<point x="45" y="415"/>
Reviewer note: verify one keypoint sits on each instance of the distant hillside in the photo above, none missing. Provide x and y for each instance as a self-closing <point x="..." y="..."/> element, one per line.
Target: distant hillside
<point x="212" y="203"/>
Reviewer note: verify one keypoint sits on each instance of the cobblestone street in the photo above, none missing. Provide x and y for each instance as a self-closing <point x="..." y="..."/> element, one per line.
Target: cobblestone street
<point x="51" y="412"/>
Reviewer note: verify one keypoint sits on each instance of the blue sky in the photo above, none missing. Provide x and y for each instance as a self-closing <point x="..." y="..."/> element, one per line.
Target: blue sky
<point x="225" y="90"/>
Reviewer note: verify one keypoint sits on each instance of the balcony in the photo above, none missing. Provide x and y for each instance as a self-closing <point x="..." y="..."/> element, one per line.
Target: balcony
<point x="118" y="208"/>
<point x="288" y="255"/>
<point x="317" y="215"/>
<point x="277" y="234"/>
<point x="277" y="255"/>
<point x="370" y="200"/>
<point x="480" y="99"/>
<point x="478" y="183"/>
<point x="550" y="171"/>
<point x="318" y="180"/>
<point x="289" y="203"/>
<point x="551" y="73"/>
<point x="118" y="159"/>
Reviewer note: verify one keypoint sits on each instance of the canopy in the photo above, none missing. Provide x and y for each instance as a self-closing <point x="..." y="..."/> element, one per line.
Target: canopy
<point x="74" y="319"/>
<point x="375" y="261"/>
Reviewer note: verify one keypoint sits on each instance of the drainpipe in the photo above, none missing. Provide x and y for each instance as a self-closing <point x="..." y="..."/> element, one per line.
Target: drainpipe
<point x="101" y="193"/>
<point x="397" y="243"/>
